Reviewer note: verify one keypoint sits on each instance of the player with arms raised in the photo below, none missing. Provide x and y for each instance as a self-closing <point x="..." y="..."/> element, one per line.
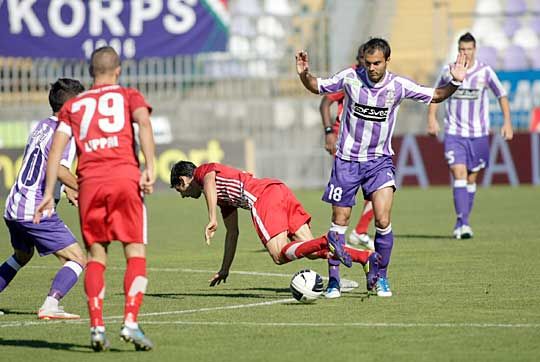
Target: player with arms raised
<point x="110" y="183"/>
<point x="364" y="151"/>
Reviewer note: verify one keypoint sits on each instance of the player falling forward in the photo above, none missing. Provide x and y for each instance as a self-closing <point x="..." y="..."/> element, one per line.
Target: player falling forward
<point x="278" y="217"/>
<point x="466" y="129"/>
<point x="110" y="187"/>
<point x="364" y="151"/>
<point x="52" y="236"/>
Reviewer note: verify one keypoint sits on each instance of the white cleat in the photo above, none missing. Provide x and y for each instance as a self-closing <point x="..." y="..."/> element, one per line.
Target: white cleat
<point x="457" y="233"/>
<point x="332" y="293"/>
<point x="362" y="241"/>
<point x="57" y="313"/>
<point x="466" y="232"/>
<point x="347" y="285"/>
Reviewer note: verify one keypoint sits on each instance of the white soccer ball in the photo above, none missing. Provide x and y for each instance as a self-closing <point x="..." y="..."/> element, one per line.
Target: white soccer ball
<point x="306" y="286"/>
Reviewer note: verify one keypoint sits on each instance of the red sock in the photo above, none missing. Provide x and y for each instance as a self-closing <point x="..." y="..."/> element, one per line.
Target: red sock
<point x="134" y="287"/>
<point x="358" y="256"/>
<point x="94" y="287"/>
<point x="365" y="219"/>
<point x="299" y="249"/>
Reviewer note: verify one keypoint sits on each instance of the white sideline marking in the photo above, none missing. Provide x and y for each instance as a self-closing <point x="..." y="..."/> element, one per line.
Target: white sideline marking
<point x="185" y="311"/>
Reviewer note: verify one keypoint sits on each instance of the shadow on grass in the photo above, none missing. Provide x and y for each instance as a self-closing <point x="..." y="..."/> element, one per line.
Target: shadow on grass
<point x="40" y="344"/>
<point x="209" y="294"/>
<point x="18" y="312"/>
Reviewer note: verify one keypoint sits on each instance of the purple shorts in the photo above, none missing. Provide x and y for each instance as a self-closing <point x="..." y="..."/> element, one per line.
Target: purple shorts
<point x="49" y="236"/>
<point x="471" y="152"/>
<point x="348" y="176"/>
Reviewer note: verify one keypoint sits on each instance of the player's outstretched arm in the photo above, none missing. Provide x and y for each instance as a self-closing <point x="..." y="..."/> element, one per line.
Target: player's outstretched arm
<point x="210" y="194"/>
<point x="458" y="71"/>
<point x="146" y="139"/>
<point x="45" y="208"/>
<point x="230" y="220"/>
<point x="506" y="130"/>
<point x="302" y="68"/>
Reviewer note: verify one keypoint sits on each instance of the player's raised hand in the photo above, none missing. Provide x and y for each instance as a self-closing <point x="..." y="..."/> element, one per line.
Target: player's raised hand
<point x="302" y="62"/>
<point x="45" y="208"/>
<point x="458" y="70"/>
<point x="146" y="182"/>
<point x="210" y="230"/>
<point x="218" y="278"/>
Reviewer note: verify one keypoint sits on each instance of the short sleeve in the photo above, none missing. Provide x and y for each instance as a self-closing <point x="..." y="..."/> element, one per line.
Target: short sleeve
<point x="69" y="154"/>
<point x="416" y="92"/>
<point x="495" y="84"/>
<point x="335" y="83"/>
<point x="136" y="100"/>
<point x="202" y="170"/>
<point x="65" y="121"/>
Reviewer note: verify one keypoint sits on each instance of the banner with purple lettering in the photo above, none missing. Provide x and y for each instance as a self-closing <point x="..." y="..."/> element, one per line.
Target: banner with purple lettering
<point x="135" y="28"/>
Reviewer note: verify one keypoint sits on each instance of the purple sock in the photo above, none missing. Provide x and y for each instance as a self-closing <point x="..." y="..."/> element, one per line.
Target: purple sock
<point x="461" y="202"/>
<point x="8" y="270"/>
<point x="333" y="270"/>
<point x="384" y="241"/>
<point x="65" y="279"/>
<point x="471" y="192"/>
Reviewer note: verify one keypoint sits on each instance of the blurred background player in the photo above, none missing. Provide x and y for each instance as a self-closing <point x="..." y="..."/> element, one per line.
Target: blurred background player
<point x="278" y="217"/>
<point x="364" y="152"/>
<point x="111" y="187"/>
<point x="466" y="129"/>
<point x="52" y="236"/>
<point x="359" y="236"/>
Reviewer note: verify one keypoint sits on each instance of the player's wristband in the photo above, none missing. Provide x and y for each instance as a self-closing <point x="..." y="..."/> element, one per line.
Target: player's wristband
<point x="328" y="130"/>
<point x="457" y="83"/>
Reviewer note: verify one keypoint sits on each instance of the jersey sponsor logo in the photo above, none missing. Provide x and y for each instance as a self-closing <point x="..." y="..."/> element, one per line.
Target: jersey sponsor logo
<point x="100" y="143"/>
<point x="464" y="93"/>
<point x="370" y="113"/>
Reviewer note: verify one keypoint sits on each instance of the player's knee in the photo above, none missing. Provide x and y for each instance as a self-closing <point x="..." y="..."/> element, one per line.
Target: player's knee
<point x="23" y="257"/>
<point x="382" y="223"/>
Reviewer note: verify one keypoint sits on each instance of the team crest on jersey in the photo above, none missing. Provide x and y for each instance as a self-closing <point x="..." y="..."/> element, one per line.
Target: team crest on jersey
<point x="468" y="94"/>
<point x="353" y="82"/>
<point x="390" y="98"/>
<point x="370" y="113"/>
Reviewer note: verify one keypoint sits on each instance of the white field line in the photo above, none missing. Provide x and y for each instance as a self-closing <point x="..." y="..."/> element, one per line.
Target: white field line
<point x="262" y="324"/>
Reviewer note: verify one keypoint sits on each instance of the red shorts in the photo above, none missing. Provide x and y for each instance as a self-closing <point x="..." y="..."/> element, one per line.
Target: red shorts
<point x="112" y="210"/>
<point x="277" y="210"/>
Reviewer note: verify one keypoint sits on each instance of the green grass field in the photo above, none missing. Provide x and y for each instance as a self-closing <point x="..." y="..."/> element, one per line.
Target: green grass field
<point x="474" y="300"/>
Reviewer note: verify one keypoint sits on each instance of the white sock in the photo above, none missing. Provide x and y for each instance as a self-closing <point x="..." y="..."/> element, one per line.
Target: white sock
<point x="50" y="303"/>
<point x="132" y="325"/>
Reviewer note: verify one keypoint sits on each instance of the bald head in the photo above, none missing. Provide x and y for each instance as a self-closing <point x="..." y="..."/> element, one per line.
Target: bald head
<point x="104" y="62"/>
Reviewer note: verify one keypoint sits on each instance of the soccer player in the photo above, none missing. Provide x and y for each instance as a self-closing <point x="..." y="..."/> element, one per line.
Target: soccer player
<point x="364" y="151"/>
<point x="111" y="187"/>
<point x="359" y="237"/>
<point x="276" y="213"/>
<point x="466" y="129"/>
<point x="52" y="236"/>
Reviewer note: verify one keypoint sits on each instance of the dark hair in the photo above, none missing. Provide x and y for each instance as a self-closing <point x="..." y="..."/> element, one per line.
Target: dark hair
<point x="374" y="44"/>
<point x="467" y="38"/>
<point x="360" y="52"/>
<point x="181" y="168"/>
<point x="62" y="90"/>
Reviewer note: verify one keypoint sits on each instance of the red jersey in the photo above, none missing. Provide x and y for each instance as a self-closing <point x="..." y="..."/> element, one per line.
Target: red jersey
<point x="100" y="120"/>
<point x="235" y="188"/>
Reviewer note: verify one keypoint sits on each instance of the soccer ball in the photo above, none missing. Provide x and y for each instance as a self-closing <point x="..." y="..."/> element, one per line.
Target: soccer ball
<point x="306" y="286"/>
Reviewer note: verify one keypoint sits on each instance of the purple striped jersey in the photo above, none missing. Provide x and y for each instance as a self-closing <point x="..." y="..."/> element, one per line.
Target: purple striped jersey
<point x="370" y="111"/>
<point x="467" y="110"/>
<point x="27" y="191"/>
